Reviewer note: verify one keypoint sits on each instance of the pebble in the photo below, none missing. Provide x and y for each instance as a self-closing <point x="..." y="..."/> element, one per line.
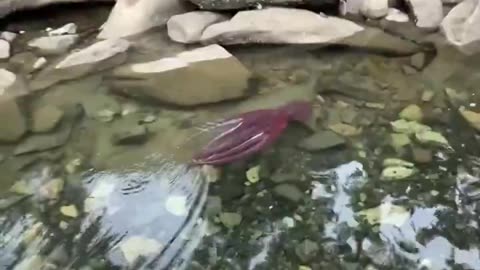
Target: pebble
<point x="177" y="205"/>
<point x="428" y="95"/>
<point x="399" y="140"/>
<point x="230" y="220"/>
<point x="411" y="113"/>
<point x="432" y="137"/>
<point x="69" y="211"/>
<point x="289" y="192"/>
<point x="397" y="173"/>
<point x="253" y="174"/>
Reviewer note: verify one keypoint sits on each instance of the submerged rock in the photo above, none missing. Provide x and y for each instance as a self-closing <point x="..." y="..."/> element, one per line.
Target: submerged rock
<point x="135" y="16"/>
<point x="289" y="192"/>
<point x="253" y="174"/>
<point x="422" y="155"/>
<point x="460" y="26"/>
<point x="69" y="211"/>
<point x="23" y="61"/>
<point x="473" y="118"/>
<point x="417" y="61"/>
<point x="53" y="44"/>
<point x="397" y="173"/>
<point x="428" y="14"/>
<point x="205" y="75"/>
<point x="306" y="250"/>
<point x="412" y="113"/>
<point x="188" y="27"/>
<point x="46" y="118"/>
<point x="230" y="220"/>
<point x="268" y="26"/>
<point x="431" y="137"/>
<point x="408" y="127"/>
<point x="345" y="129"/>
<point x="97" y="57"/>
<point x="138" y="246"/>
<point x="130" y="135"/>
<point x="395" y="15"/>
<point x="399" y="140"/>
<point x="322" y="140"/>
<point x="10" y="113"/>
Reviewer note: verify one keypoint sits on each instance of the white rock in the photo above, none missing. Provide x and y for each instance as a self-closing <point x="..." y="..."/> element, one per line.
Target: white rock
<point x="4" y="49"/>
<point x="347" y="7"/>
<point x="130" y="17"/>
<point x="374" y="9"/>
<point x="395" y="15"/>
<point x="7" y="79"/>
<point x="8" y="36"/>
<point x="39" y="63"/>
<point x="137" y="246"/>
<point x="54" y="44"/>
<point x="461" y="26"/>
<point x="278" y="25"/>
<point x="94" y="53"/>
<point x="428" y="13"/>
<point x="188" y="27"/>
<point x="67" y="29"/>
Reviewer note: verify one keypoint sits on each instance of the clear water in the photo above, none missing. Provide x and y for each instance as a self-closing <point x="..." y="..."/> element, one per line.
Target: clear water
<point x="142" y="207"/>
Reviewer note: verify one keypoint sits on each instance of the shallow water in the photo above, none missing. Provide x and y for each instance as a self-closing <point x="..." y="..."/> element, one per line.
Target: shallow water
<point x="142" y="207"/>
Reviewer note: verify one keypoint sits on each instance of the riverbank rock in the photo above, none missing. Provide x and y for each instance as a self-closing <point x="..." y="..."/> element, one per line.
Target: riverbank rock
<point x="205" y="75"/>
<point x="428" y="14"/>
<point x="374" y="9"/>
<point x="243" y="4"/>
<point x="130" y="17"/>
<point x="97" y="57"/>
<point x="270" y="26"/>
<point x="4" y="49"/>
<point x="10" y="113"/>
<point x="53" y="44"/>
<point x="188" y="27"/>
<point x="461" y="26"/>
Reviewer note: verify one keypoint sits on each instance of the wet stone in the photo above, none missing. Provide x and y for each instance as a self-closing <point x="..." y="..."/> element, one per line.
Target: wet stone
<point x="306" y="250"/>
<point x="422" y="155"/>
<point x="135" y="135"/>
<point x="322" y="140"/>
<point x="289" y="192"/>
<point x="46" y="118"/>
<point x="230" y="220"/>
<point x="417" y="61"/>
<point x="408" y="70"/>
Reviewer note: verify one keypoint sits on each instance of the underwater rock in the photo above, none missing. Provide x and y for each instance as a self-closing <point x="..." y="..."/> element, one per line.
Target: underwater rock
<point x="69" y="211"/>
<point x="417" y="61"/>
<point x="130" y="135"/>
<point x="412" y="113"/>
<point x="53" y="44"/>
<point x="188" y="27"/>
<point x="205" y="75"/>
<point x="428" y="14"/>
<point x="136" y="246"/>
<point x="22" y="187"/>
<point x="46" y="118"/>
<point x="374" y="9"/>
<point x="322" y="140"/>
<point x="67" y="29"/>
<point x="10" y="113"/>
<point x="307" y="250"/>
<point x="289" y="192"/>
<point x="142" y="15"/>
<point x="421" y="155"/>
<point x="52" y="189"/>
<point x="268" y="26"/>
<point x="4" y="49"/>
<point x="399" y="140"/>
<point x="42" y="142"/>
<point x="23" y="61"/>
<point x="213" y="206"/>
<point x="456" y="98"/>
<point x="386" y="213"/>
<point x="393" y="162"/>
<point x="253" y="175"/>
<point x="427" y="95"/>
<point x="397" y="173"/>
<point x="96" y="57"/>
<point x="473" y="118"/>
<point x="177" y="205"/>
<point x="230" y="220"/>
<point x="345" y="129"/>
<point x="431" y="137"/>
<point x="408" y="127"/>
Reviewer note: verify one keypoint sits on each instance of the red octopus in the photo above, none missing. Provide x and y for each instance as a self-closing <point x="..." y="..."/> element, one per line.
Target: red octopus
<point x="248" y="133"/>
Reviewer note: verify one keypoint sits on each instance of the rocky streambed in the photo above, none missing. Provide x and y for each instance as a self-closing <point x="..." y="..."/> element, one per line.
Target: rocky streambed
<point x="98" y="128"/>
